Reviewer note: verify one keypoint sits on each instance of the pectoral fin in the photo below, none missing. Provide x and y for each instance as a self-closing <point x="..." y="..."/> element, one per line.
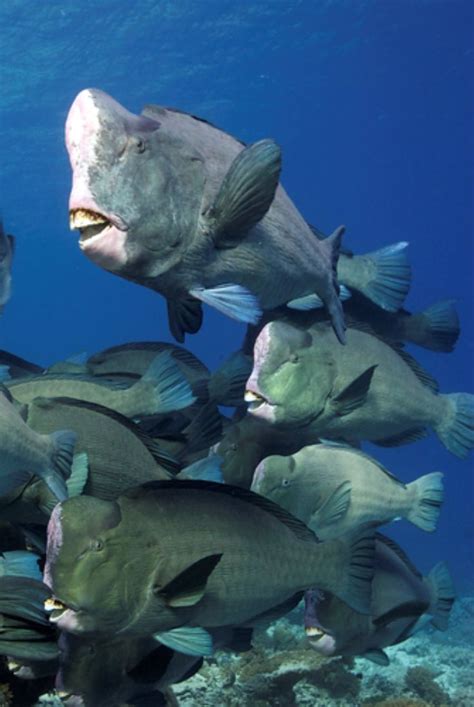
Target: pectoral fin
<point x="188" y="640"/>
<point x="232" y="300"/>
<point x="189" y="586"/>
<point x="334" y="508"/>
<point x="355" y="394"/>
<point x="377" y="656"/>
<point x="246" y="193"/>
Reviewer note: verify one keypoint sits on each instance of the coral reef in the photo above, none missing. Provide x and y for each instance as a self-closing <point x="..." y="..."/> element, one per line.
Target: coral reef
<point x="421" y="681"/>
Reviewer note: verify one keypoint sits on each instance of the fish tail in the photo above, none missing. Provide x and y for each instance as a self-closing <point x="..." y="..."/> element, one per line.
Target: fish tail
<point x="61" y="459"/>
<point x="443" y="595"/>
<point x="333" y="301"/>
<point x="436" y="328"/>
<point x="427" y="497"/>
<point x="349" y="564"/>
<point x="390" y="276"/>
<point x="167" y="386"/>
<point x="456" y="427"/>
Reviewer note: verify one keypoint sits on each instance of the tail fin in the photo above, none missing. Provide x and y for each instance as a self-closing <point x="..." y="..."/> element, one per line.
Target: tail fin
<point x="456" y="429"/>
<point x="171" y="391"/>
<point x="352" y="560"/>
<point x="427" y="495"/>
<point x="443" y="595"/>
<point x="59" y="470"/>
<point x="391" y="277"/>
<point x="227" y="383"/>
<point x="333" y="302"/>
<point x="440" y="326"/>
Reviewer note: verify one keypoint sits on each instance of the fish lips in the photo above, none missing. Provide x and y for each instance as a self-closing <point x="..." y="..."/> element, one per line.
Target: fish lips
<point x="103" y="235"/>
<point x="259" y="405"/>
<point x="65" y="617"/>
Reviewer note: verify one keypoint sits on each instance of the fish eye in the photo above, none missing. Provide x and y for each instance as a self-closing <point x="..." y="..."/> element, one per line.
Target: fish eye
<point x="293" y="358"/>
<point x="285" y="482"/>
<point x="140" y="144"/>
<point x="97" y="545"/>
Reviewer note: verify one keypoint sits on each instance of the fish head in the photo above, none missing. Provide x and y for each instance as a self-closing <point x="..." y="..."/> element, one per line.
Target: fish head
<point x="330" y="624"/>
<point x="136" y="188"/>
<point x="90" y="668"/>
<point x="286" y="387"/>
<point x="82" y="569"/>
<point x="276" y="478"/>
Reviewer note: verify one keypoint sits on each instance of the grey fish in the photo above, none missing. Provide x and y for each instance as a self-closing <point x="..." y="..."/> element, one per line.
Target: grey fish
<point x="162" y="388"/>
<point x="119" y="454"/>
<point x="203" y="220"/>
<point x="402" y="601"/>
<point x="366" y="390"/>
<point x="334" y="489"/>
<point x="25" y="453"/>
<point x="113" y="671"/>
<point x="197" y="554"/>
<point x="7" y="249"/>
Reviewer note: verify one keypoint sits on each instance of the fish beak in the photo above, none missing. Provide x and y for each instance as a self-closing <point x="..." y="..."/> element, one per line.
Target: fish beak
<point x="314" y="633"/>
<point x="89" y="223"/>
<point x="55" y="608"/>
<point x="255" y="400"/>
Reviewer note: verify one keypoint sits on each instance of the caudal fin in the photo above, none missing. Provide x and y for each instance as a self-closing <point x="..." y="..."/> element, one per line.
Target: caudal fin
<point x="391" y="276"/>
<point x="440" y="324"/>
<point x="333" y="302"/>
<point x="59" y="470"/>
<point x="427" y="495"/>
<point x="170" y="389"/>
<point x="456" y="428"/>
<point x="443" y="595"/>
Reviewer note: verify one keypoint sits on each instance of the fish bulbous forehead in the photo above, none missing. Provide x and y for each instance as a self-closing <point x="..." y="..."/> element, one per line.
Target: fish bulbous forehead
<point x="81" y="515"/>
<point x="94" y="114"/>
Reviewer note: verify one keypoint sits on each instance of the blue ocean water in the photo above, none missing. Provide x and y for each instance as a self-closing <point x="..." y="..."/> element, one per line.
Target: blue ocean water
<point x="371" y="103"/>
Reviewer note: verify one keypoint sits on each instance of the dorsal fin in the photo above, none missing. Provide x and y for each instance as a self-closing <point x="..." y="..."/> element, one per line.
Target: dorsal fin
<point x="296" y="526"/>
<point x="423" y="376"/>
<point x="363" y="455"/>
<point x="399" y="552"/>
<point x="179" y="353"/>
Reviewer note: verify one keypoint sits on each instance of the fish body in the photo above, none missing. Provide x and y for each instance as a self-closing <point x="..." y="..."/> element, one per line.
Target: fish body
<point x="203" y="219"/>
<point x="189" y="554"/>
<point x="25" y="453"/>
<point x="7" y="249"/>
<point x="366" y="390"/>
<point x="401" y="596"/>
<point x="334" y="489"/>
<point x="161" y="388"/>
<point x="119" y="454"/>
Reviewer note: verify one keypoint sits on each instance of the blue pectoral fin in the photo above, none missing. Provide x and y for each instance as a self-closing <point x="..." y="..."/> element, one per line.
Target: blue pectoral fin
<point x="304" y="304"/>
<point x="188" y="640"/>
<point x="207" y="469"/>
<point x="20" y="563"/>
<point x="233" y="300"/>
<point x="79" y="473"/>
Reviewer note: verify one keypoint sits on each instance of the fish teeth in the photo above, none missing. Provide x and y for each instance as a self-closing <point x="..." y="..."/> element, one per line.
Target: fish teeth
<point x="251" y="397"/>
<point x="314" y="632"/>
<point x="52" y="604"/>
<point x="82" y="218"/>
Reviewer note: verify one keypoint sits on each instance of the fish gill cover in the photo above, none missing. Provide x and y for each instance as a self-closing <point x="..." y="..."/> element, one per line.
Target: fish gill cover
<point x="179" y="118"/>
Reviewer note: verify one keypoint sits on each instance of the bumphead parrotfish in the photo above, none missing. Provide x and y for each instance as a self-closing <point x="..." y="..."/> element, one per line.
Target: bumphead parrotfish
<point x="171" y="202"/>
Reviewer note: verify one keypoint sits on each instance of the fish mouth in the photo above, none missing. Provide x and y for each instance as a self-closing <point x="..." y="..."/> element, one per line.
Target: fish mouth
<point x="315" y="633"/>
<point x="259" y="405"/>
<point x="321" y="640"/>
<point x="58" y="611"/>
<point x="89" y="223"/>
<point x="254" y="399"/>
<point x="93" y="224"/>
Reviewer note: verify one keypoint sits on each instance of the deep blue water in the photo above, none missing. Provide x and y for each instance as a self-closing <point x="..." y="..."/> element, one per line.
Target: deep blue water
<point x="372" y="105"/>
